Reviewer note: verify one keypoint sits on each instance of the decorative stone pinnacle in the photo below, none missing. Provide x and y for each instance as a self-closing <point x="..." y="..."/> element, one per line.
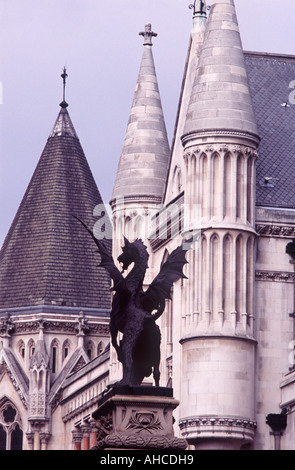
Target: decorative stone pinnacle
<point x="148" y="34"/>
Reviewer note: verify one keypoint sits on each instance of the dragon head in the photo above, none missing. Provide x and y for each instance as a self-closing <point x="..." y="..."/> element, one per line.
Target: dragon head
<point x="132" y="252"/>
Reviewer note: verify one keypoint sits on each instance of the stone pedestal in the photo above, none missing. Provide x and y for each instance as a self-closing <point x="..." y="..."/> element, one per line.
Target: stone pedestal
<point x="137" y="418"/>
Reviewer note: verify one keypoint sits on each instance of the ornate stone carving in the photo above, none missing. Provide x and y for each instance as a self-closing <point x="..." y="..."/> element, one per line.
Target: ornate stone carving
<point x="220" y="427"/>
<point x="5" y="369"/>
<point x="79" y="364"/>
<point x="37" y="404"/>
<point x="144" y="421"/>
<point x="272" y="230"/>
<point x="274" y="276"/>
<point x="132" y="441"/>
<point x="137" y="419"/>
<point x="211" y="149"/>
<point x="58" y="326"/>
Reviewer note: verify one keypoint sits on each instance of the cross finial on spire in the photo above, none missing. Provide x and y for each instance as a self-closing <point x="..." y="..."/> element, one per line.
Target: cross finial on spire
<point x="148" y="34"/>
<point x="64" y="76"/>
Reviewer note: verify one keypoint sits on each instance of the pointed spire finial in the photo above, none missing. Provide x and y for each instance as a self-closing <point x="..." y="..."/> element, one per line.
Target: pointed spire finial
<point x="148" y="34"/>
<point x="64" y="76"/>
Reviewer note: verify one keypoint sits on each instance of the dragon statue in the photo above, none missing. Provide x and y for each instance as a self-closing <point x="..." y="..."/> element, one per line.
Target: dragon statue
<point x="135" y="310"/>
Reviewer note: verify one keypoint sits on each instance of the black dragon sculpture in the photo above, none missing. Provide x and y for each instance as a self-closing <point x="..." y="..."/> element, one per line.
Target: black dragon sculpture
<point x="135" y="310"/>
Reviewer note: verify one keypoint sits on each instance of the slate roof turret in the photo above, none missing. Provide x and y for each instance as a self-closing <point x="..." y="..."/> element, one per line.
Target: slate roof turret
<point x="48" y="258"/>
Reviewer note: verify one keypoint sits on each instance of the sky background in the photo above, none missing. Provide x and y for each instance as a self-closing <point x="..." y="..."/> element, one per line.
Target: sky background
<point x="98" y="42"/>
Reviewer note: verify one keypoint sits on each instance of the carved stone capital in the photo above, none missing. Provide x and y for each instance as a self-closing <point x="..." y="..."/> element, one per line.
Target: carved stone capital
<point x="217" y="427"/>
<point x="219" y="148"/>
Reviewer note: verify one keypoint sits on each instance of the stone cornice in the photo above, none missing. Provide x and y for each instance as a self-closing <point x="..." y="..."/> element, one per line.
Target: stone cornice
<point x="218" y="335"/>
<point x="221" y="135"/>
<point x="23" y="327"/>
<point x="274" y="276"/>
<point x="275" y="230"/>
<point x="119" y="203"/>
<point x="218" y="427"/>
<point x="217" y="147"/>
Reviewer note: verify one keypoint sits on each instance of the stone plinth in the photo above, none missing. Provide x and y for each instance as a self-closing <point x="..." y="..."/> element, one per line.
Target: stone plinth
<point x="137" y="418"/>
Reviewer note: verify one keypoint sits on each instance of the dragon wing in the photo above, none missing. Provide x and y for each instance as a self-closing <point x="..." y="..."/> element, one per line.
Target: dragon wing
<point x="107" y="262"/>
<point x="160" y="288"/>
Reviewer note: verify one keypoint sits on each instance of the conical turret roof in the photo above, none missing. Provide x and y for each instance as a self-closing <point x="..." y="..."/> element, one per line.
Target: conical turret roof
<point x="221" y="99"/>
<point x="143" y="164"/>
<point x="48" y="258"/>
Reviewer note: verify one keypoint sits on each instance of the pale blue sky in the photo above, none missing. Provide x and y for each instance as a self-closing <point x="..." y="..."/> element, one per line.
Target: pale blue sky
<point x="98" y="42"/>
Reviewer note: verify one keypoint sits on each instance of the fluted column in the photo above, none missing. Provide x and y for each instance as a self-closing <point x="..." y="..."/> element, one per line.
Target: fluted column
<point x="221" y="343"/>
<point x="223" y="256"/>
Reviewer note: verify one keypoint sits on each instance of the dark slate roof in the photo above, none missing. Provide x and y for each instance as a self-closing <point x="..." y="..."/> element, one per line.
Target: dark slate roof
<point x="48" y="258"/>
<point x="270" y="77"/>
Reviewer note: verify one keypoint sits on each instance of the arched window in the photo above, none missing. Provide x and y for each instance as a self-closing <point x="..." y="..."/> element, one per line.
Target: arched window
<point x="11" y="434"/>
<point x="3" y="438"/>
<point x="31" y="347"/>
<point x="66" y="349"/>
<point x="54" y="356"/>
<point x="90" y="349"/>
<point x="21" y="348"/>
<point x="100" y="348"/>
<point x="177" y="181"/>
<point x="16" y="441"/>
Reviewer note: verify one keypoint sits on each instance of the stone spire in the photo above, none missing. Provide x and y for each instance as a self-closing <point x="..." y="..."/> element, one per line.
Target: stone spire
<point x="144" y="159"/>
<point x="221" y="100"/>
<point x="176" y="167"/>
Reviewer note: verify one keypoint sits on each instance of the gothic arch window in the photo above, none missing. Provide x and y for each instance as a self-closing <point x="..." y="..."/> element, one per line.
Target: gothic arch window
<point x="21" y="348"/>
<point x="100" y="348"/>
<point x="31" y="347"/>
<point x="3" y="438"/>
<point x="54" y="350"/>
<point x="90" y="349"/>
<point x="11" y="434"/>
<point x="177" y="180"/>
<point x="66" y="349"/>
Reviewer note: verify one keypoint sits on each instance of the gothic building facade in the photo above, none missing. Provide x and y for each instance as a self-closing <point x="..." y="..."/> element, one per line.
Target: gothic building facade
<point x="228" y="333"/>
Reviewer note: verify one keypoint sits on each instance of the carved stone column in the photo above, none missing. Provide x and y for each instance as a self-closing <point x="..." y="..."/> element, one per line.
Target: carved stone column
<point x="44" y="438"/>
<point x="30" y="439"/>
<point x="138" y="418"/>
<point x="86" y="430"/>
<point x="93" y="432"/>
<point x="77" y="438"/>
